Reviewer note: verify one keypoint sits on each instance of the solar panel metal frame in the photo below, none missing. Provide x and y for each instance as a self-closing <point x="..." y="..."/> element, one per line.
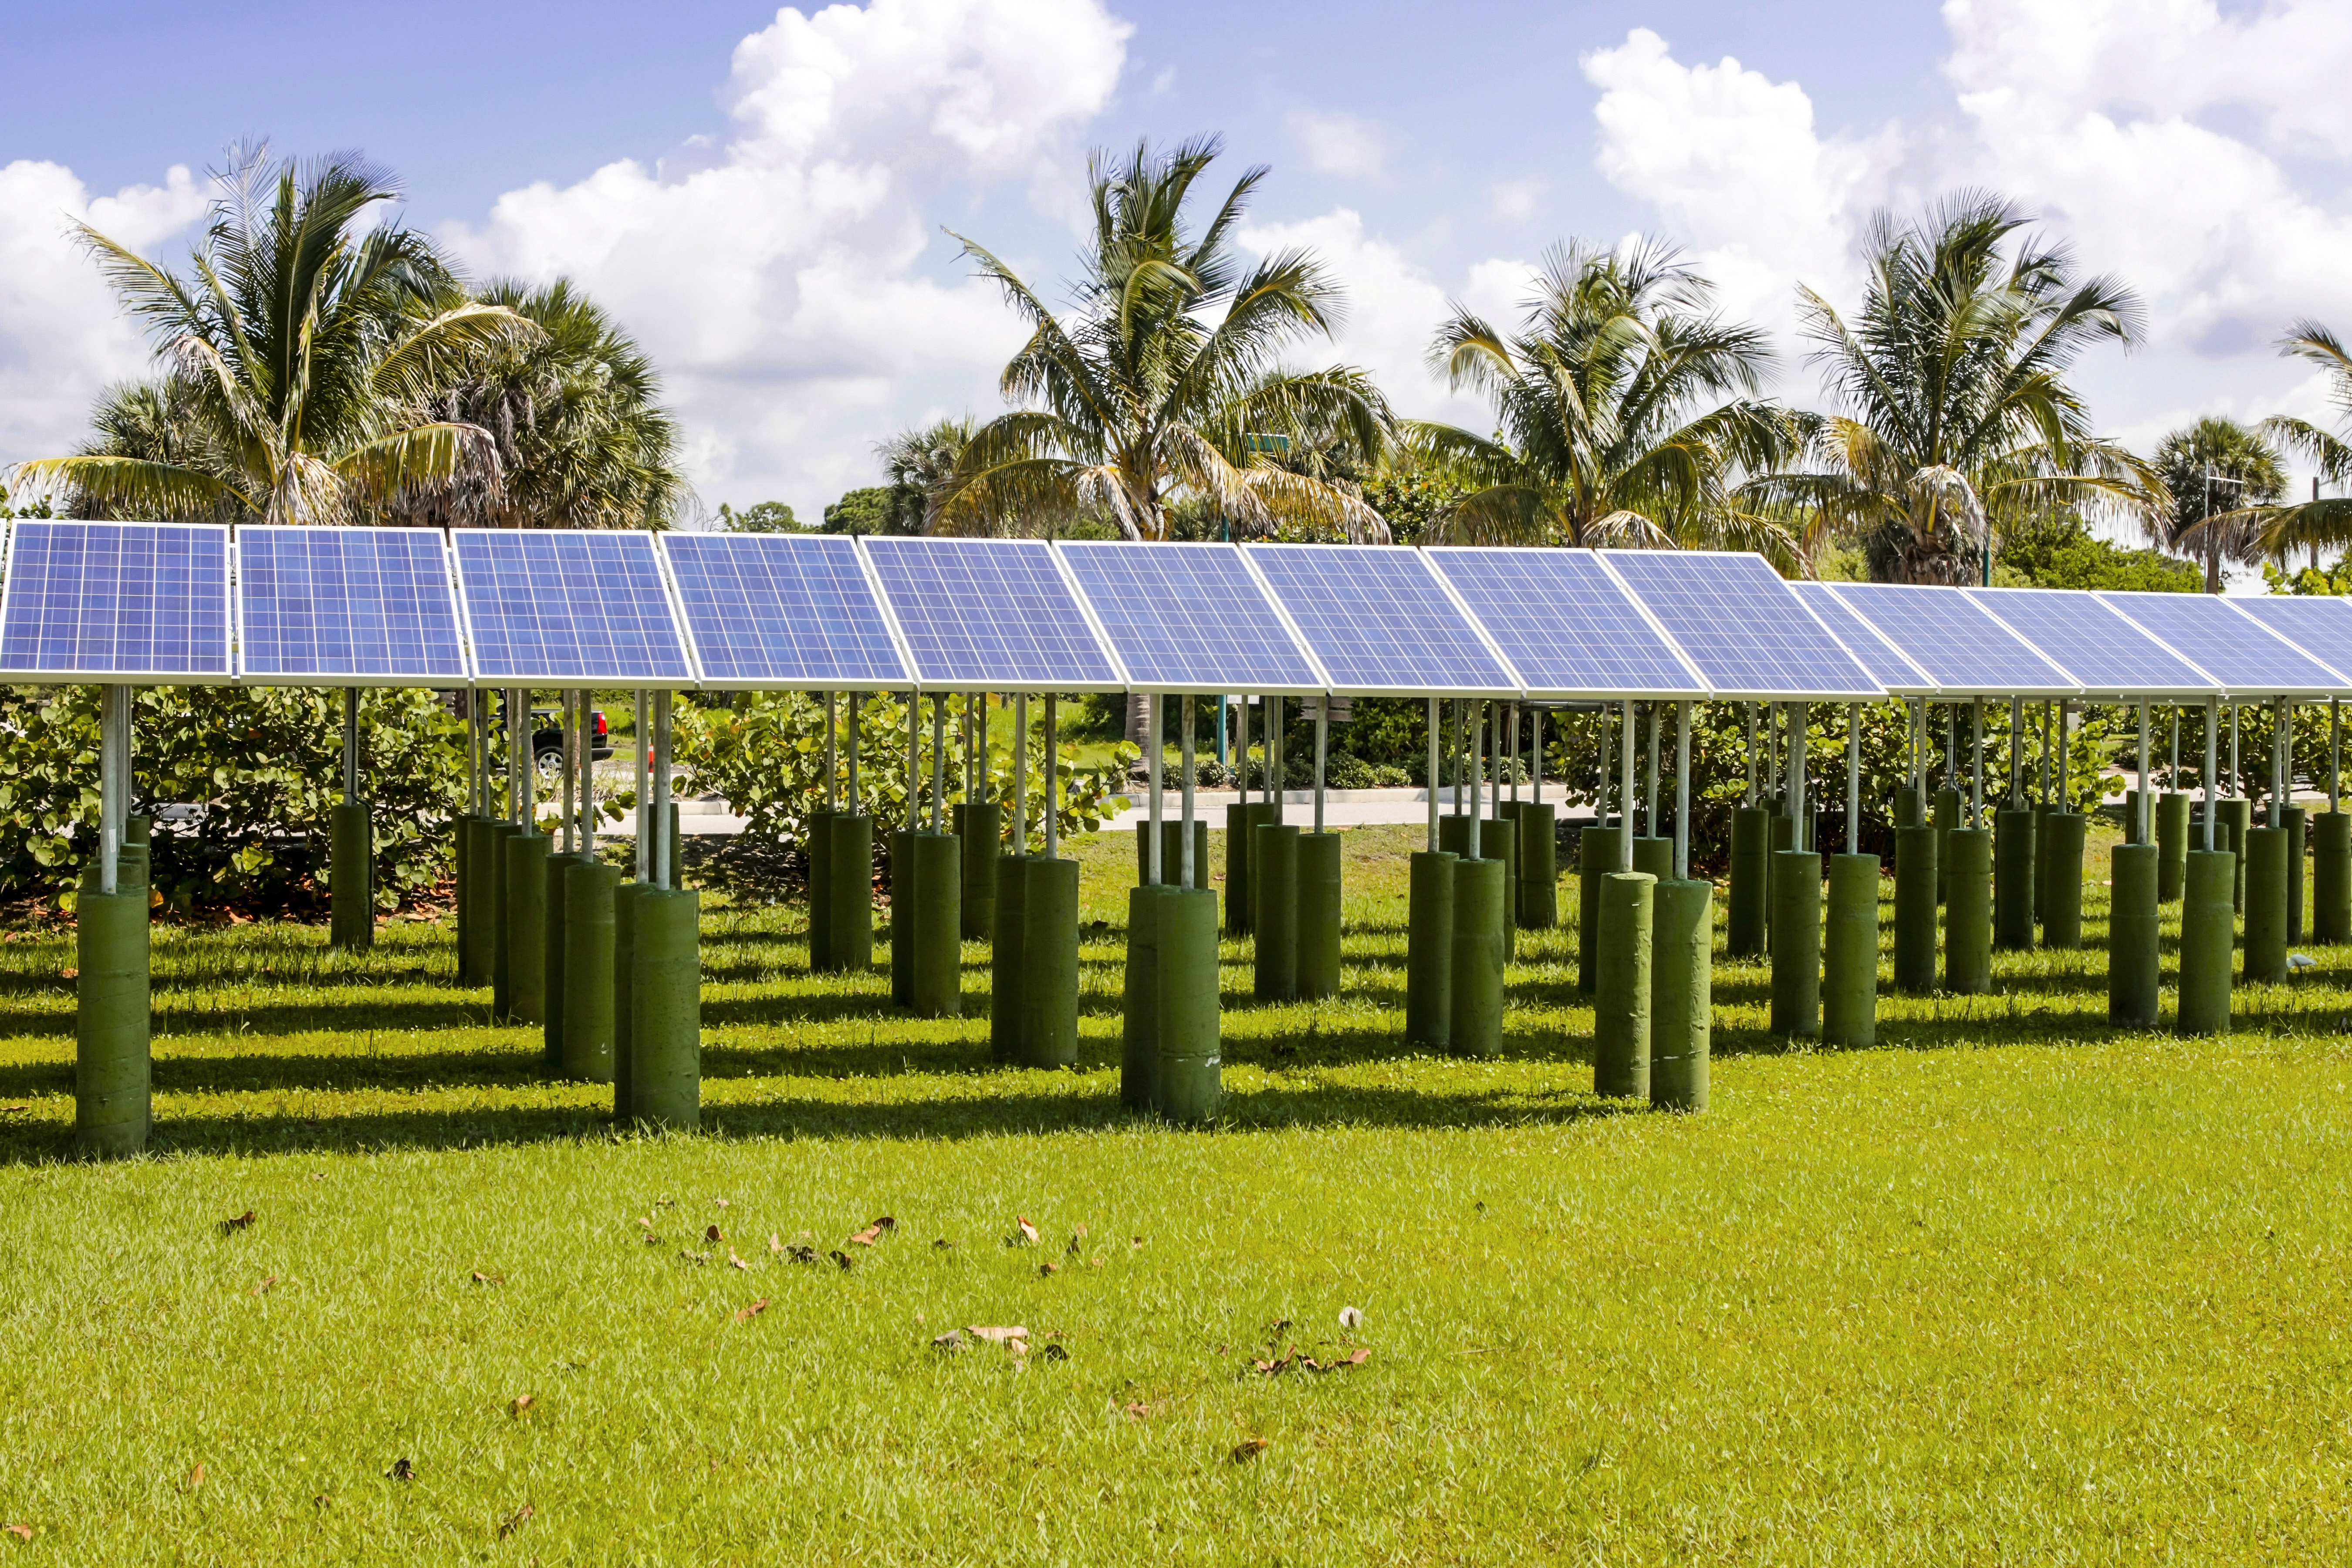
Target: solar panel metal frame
<point x="1510" y="688"/>
<point x="1693" y="689"/>
<point x="2277" y="613"/>
<point x="903" y="681"/>
<point x="439" y="681"/>
<point x="1866" y="689"/>
<point x="487" y="680"/>
<point x="1872" y="601"/>
<point x="77" y="677"/>
<point x="1074" y="550"/>
<point x="1119" y="681"/>
<point x="2123" y="601"/>
<point x="1915" y="681"/>
<point x="1993" y="598"/>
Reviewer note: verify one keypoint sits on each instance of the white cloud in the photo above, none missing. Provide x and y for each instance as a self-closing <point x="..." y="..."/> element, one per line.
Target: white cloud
<point x="773" y="272"/>
<point x="1516" y="199"/>
<point x="62" y="336"/>
<point x="1343" y="144"/>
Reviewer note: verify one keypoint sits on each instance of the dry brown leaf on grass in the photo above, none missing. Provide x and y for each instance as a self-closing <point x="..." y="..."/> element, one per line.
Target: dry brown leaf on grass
<point x="230" y="1226"/>
<point x="1249" y="1449"/>
<point x="1023" y="1233"/>
<point x="720" y="1202"/>
<point x="482" y="1278"/>
<point x="21" y="1532"/>
<point x="843" y="1258"/>
<point x="774" y="1245"/>
<point x="710" y="1232"/>
<point x="865" y="1238"/>
<point x="69" y="974"/>
<point x="268" y="1283"/>
<point x="745" y="1314"/>
<point x="522" y="1402"/>
<point x="997" y="1335"/>
<point x="401" y="1470"/>
<point x="1138" y="1410"/>
<point x="12" y="1110"/>
<point x="196" y="1475"/>
<point x="515" y="1521"/>
<point x="1045" y="1270"/>
<point x="735" y="1261"/>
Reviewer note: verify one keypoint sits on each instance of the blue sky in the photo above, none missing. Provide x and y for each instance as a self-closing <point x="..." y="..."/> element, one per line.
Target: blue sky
<point x="759" y="194"/>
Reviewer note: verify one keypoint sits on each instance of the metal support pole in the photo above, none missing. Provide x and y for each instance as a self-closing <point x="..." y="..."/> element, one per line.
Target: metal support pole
<point x="1976" y="787"/>
<point x="2142" y="832"/>
<point x="113" y="785"/>
<point x="2016" y="753"/>
<point x="1535" y="767"/>
<point x="1799" y="836"/>
<point x="664" y="874"/>
<point x="1513" y="752"/>
<point x="940" y="763"/>
<point x="1600" y="794"/>
<point x="644" y="726"/>
<point x="1625" y="784"/>
<point x="1478" y="786"/>
<point x="1021" y="773"/>
<point x="1053" y="784"/>
<point x="587" y="777"/>
<point x="1187" y="874"/>
<point x="1434" y="722"/>
<point x="1750" y="798"/>
<point x="1853" y="778"/>
<point x="2212" y="762"/>
<point x="1156" y="813"/>
<point x="856" y="706"/>
<point x="1461" y="758"/>
<point x="523" y="797"/>
<point x="1682" y="789"/>
<point x="567" y="739"/>
<point x="1322" y="751"/>
<point x="2235" y="774"/>
<point x="2334" y="750"/>
<point x="831" y="730"/>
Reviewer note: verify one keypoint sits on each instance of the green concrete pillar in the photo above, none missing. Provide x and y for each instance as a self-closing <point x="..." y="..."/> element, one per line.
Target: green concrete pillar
<point x="935" y="945"/>
<point x="2012" y="879"/>
<point x="1596" y="857"/>
<point x="2133" y="965"/>
<point x="114" y="1092"/>
<point x="553" y="987"/>
<point x="1172" y="849"/>
<point x="981" y="834"/>
<point x="1910" y="806"/>
<point x="525" y="889"/>
<point x="350" y="920"/>
<point x="1947" y="819"/>
<point x="1319" y="875"/>
<point x="1796" y="943"/>
<point x="1138" y="1057"/>
<point x="1274" y="890"/>
<point x="1480" y="889"/>
<point x="2171" y="846"/>
<point x="2236" y="816"/>
<point x="1049" y="961"/>
<point x="1655" y="858"/>
<point x="2206" y="928"/>
<point x="1238" y="827"/>
<point x="1915" y="909"/>
<point x="2131" y="816"/>
<point x="2331" y="878"/>
<point x="1782" y="832"/>
<point x="1850" y="953"/>
<point x="1005" y="969"/>
<point x="1429" y="951"/>
<point x="666" y="1009"/>
<point x="2062" y="837"/>
<point x="904" y="898"/>
<point x="468" y="831"/>
<point x="849" y="893"/>
<point x="1968" y="911"/>
<point x="588" y="901"/>
<point x="2264" y="959"/>
<point x="2041" y="810"/>
<point x="1748" y="908"/>
<point x="1682" y="995"/>
<point x="1621" y="1002"/>
<point x="1190" y="1074"/>
<point x="1454" y="835"/>
<point x="488" y="934"/>
<point x="1539" y="889"/>
<point x="624" y="974"/>
<point x="1499" y="841"/>
<point x="820" y="888"/>
<point x="2295" y="821"/>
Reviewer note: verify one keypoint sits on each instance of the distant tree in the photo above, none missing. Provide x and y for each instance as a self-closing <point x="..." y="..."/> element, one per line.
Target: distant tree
<point x="767" y="517"/>
<point x="2060" y="552"/>
<point x="921" y="464"/>
<point x="2224" y="478"/>
<point x="2322" y="521"/>
<point x="864" y="510"/>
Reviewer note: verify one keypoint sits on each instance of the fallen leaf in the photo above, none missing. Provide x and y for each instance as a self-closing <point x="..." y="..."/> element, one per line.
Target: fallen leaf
<point x="1135" y="1241"/>
<point x="886" y="1223"/>
<point x="1352" y="1317"/>
<point x="950" y="1341"/>
<point x="1055" y="1353"/>
<point x="21" y="1532"/>
<point x="482" y="1278"/>
<point x="694" y="1256"/>
<point x="801" y="1254"/>
<point x="239" y="1223"/>
<point x="522" y="1402"/>
<point x="711" y="1234"/>
<point x="840" y="1257"/>
<point x="735" y="1261"/>
<point x="997" y="1335"/>
<point x="1018" y="1347"/>
<point x="401" y="1470"/>
<point x="720" y="1202"/>
<point x="942" y="1243"/>
<point x="653" y="1240"/>
<point x="773" y="1245"/>
<point x="745" y="1314"/>
<point x="1250" y="1448"/>
<point x="1045" y="1269"/>
<point x="1138" y="1410"/>
<point x="196" y="1475"/>
<point x="11" y="1110"/>
<point x="865" y="1238"/>
<point x="267" y="1282"/>
<point x="515" y="1521"/>
<point x="69" y="974"/>
<point x="1024" y="1234"/>
<point x="647" y="1220"/>
<point x="1357" y="1357"/>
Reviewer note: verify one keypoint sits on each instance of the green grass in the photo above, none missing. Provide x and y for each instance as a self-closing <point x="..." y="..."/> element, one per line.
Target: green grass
<point x="2010" y="1288"/>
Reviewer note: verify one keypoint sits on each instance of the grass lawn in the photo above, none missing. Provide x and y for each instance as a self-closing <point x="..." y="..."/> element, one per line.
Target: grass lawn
<point x="2010" y="1288"/>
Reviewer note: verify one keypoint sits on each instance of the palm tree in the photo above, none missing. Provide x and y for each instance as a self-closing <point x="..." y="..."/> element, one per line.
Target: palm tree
<point x="2223" y="478"/>
<point x="1955" y="418"/>
<point x="298" y="353"/>
<point x="1165" y="375"/>
<point x="1627" y="412"/>
<point x="921" y="466"/>
<point x="2322" y="519"/>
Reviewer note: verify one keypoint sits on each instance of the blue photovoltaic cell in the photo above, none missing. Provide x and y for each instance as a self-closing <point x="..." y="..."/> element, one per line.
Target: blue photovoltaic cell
<point x="1378" y="620"/>
<point x="1735" y="618"/>
<point x="2232" y="646"/>
<point x="1964" y="650"/>
<point x="782" y="609"/>
<point x="1567" y="626"/>
<point x="2320" y="625"/>
<point x="1189" y="618"/>
<point x="1886" y="663"/>
<point x="126" y="599"/>
<point x="552" y="607"/>
<point x="346" y="602"/>
<point x="988" y="614"/>
<point x="2094" y="644"/>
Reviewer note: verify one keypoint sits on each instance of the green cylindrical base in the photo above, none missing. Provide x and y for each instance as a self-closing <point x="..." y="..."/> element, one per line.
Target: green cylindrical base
<point x="1171" y="851"/>
<point x="350" y="920"/>
<point x="1429" y="951"/>
<point x="1274" y="890"/>
<point x="524" y="886"/>
<point x="666" y="1009"/>
<point x="2207" y="927"/>
<point x="1320" y="874"/>
<point x="1780" y="833"/>
<point x="1005" y="969"/>
<point x="1190" y="1074"/>
<point x="1748" y="907"/>
<point x="2171" y="845"/>
<point x="2265" y="939"/>
<point x="1968" y="911"/>
<point x="1849" y="953"/>
<point x="2062" y="837"/>
<point x="820" y="889"/>
<point x="1796" y="943"/>
<point x="1138" y="1057"/>
<point x="1910" y="806"/>
<point x="2041" y="810"/>
<point x="1238" y="823"/>
<point x="2237" y="815"/>
<point x="1049" y="964"/>
<point x="1538" y="888"/>
<point x="1947" y="820"/>
<point x="2133" y="965"/>
<point x="1596" y="857"/>
<point x="1914" y="909"/>
<point x="2012" y="879"/>
<point x="554" y="988"/>
<point x="1474" y="1025"/>
<point x="2295" y="821"/>
<point x="904" y="898"/>
<point x="980" y="828"/>
<point x="1453" y="833"/>
<point x="1682" y="992"/>
<point x="2331" y="878"/>
<point x="488" y="934"/>
<point x="2131" y="816"/>
<point x="624" y="976"/>
<point x="1499" y="841"/>
<point x="936" y="951"/>
<point x="849" y="893"/>
<point x="588" y="903"/>
<point x="1622" y="1015"/>
<point x="1655" y="858"/>
<point x="467" y="833"/>
<point x="113" y="1097"/>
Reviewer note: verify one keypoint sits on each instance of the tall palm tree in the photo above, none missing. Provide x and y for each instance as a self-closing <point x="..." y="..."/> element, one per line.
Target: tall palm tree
<point x="2322" y="521"/>
<point x="1166" y="374"/>
<point x="2224" y="478"/>
<point x="298" y="350"/>
<point x="1955" y="418"/>
<point x="922" y="463"/>
<point x="1627" y="412"/>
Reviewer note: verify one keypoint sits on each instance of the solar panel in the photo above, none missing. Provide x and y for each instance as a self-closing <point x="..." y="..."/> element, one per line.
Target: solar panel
<point x="1745" y="628"/>
<point x="1567" y="626"/>
<point x="568" y="607"/>
<point x="1965" y="650"/>
<point x="1882" y="659"/>
<point x="346" y="606"/>
<point x="2246" y="657"/>
<point x="2107" y="654"/>
<point x="2321" y="627"/>
<point x="785" y="610"/>
<point x="142" y="603"/>
<point x="1378" y="620"/>
<point x="989" y="615"/>
<point x="1189" y="618"/>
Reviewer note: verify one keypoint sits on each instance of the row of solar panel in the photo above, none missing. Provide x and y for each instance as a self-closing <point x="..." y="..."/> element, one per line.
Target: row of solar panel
<point x="158" y="603"/>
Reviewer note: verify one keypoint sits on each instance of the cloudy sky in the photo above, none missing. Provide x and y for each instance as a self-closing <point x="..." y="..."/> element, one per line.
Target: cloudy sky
<point x="760" y="195"/>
